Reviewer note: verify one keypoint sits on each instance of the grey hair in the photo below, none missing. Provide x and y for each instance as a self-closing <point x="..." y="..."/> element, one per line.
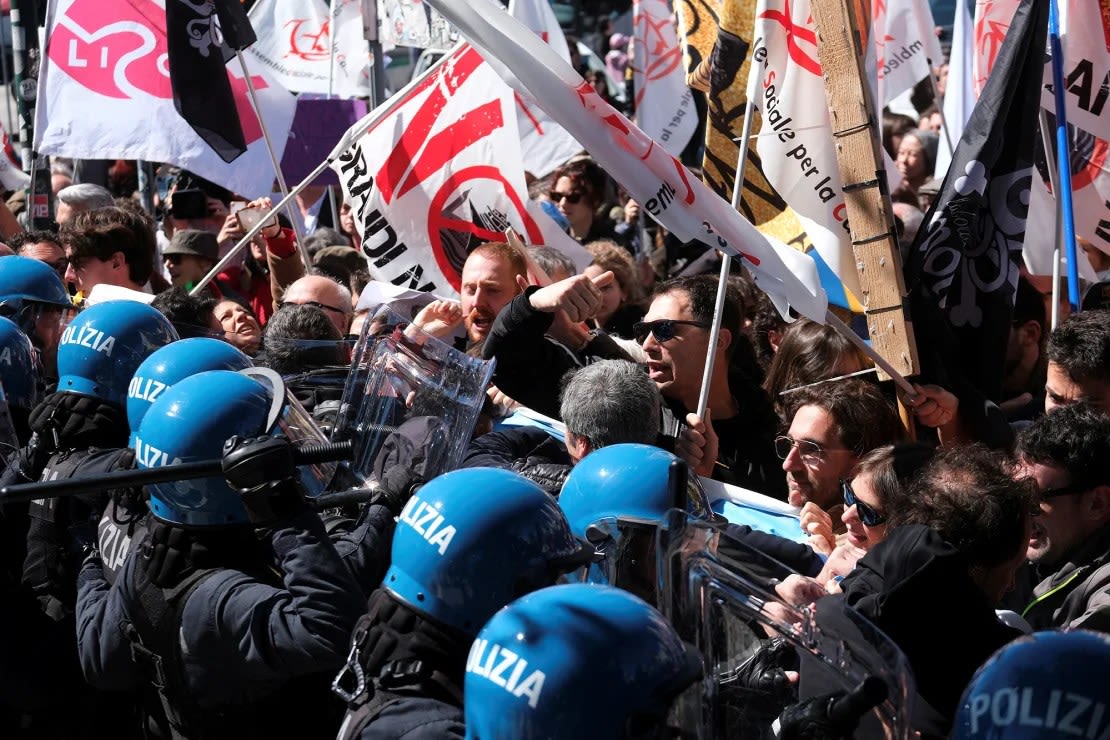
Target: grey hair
<point x="85" y="196"/>
<point x="610" y="402"/>
<point x="551" y="259"/>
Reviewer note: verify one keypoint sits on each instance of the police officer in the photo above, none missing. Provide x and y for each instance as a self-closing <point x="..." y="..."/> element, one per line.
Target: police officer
<point x="1046" y="686"/>
<point x="35" y="298"/>
<point x="576" y="661"/>
<point x="616" y="496"/>
<point x="467" y="543"/>
<point x="232" y="634"/>
<point x="123" y="522"/>
<point x="20" y="381"/>
<point x="79" y="430"/>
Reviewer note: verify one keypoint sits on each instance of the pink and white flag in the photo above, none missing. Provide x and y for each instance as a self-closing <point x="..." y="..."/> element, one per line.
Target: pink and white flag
<point x="544" y="144"/>
<point x="906" y="45"/>
<point x="667" y="191"/>
<point x="295" y="39"/>
<point x="664" y="104"/>
<point x="992" y="21"/>
<point x="438" y="175"/>
<point x="104" y="93"/>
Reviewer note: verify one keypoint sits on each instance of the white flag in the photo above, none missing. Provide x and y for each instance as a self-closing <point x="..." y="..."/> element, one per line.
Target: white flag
<point x="959" y="93"/>
<point x="439" y="175"/>
<point x="295" y="45"/>
<point x="12" y="177"/>
<point x="906" y="45"/>
<point x="796" y="144"/>
<point x="1084" y="37"/>
<point x="104" y="93"/>
<point x="664" y="104"/>
<point x="544" y="144"/>
<point x="667" y="191"/>
<point x="992" y="21"/>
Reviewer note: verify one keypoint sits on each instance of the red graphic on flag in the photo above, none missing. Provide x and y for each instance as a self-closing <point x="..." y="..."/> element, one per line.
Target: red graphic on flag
<point x="794" y="35"/>
<point x="311" y="47"/>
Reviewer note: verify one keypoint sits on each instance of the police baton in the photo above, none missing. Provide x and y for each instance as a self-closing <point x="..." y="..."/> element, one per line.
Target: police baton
<point x="246" y="462"/>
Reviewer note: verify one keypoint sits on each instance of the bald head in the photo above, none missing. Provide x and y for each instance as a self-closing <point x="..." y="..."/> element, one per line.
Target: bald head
<point x="324" y="293"/>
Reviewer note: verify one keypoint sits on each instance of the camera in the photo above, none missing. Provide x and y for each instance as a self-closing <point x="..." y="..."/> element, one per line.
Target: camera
<point x="189" y="203"/>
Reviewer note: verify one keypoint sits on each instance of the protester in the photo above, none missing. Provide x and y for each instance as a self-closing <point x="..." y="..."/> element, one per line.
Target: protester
<point x="808" y="353"/>
<point x="108" y="245"/>
<point x="79" y="198"/>
<point x="620" y="300"/>
<point x="238" y="325"/>
<point x="325" y="294"/>
<point x="578" y="191"/>
<point x="42" y="246"/>
<point x="1079" y="362"/>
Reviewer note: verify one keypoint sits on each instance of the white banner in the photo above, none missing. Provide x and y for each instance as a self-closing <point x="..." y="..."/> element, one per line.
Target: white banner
<point x="906" y="44"/>
<point x="295" y="45"/>
<point x="1086" y="46"/>
<point x="104" y="93"/>
<point x="12" y="176"/>
<point x="544" y="144"/>
<point x="439" y="176"/>
<point x="992" y="21"/>
<point x="414" y="23"/>
<point x="959" y="94"/>
<point x="795" y="144"/>
<point x="664" y="104"/>
<point x="666" y="190"/>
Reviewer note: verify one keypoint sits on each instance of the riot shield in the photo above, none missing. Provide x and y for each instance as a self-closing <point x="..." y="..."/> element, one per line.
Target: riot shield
<point x="717" y="592"/>
<point x="410" y="399"/>
<point x="289" y="419"/>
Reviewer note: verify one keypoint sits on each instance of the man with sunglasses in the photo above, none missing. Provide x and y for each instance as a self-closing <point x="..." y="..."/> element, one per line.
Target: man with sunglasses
<point x="735" y="441"/>
<point x="1067" y="453"/>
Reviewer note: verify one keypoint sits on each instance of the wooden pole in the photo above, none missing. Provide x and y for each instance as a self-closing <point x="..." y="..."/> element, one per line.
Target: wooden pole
<point x="870" y="216"/>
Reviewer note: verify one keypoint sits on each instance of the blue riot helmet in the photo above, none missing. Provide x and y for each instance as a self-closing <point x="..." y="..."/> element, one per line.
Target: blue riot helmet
<point x="1046" y="685"/>
<point x="472" y="540"/>
<point x="616" y="496"/>
<point x="19" y="367"/>
<point x="190" y="422"/>
<point x="105" y="344"/>
<point x="172" y="364"/>
<point x="34" y="297"/>
<point x="575" y="661"/>
<point x="25" y="282"/>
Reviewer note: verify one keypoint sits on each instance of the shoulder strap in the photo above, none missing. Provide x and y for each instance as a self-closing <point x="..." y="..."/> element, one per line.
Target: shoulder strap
<point x="153" y="635"/>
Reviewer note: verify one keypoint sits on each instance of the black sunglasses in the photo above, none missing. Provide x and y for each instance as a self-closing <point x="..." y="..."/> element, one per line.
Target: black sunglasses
<point x="1067" y="490"/>
<point x="661" y="329"/>
<point x="571" y="197"/>
<point x="322" y="306"/>
<point x="867" y="514"/>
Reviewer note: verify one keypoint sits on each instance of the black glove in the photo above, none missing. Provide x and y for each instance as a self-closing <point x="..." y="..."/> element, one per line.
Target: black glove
<point x="262" y="470"/>
<point x="832" y="716"/>
<point x="82" y="539"/>
<point x="755" y="694"/>
<point x="396" y="487"/>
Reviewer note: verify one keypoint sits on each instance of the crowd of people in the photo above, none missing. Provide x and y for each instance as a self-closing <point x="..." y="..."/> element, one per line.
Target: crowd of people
<point x="542" y="584"/>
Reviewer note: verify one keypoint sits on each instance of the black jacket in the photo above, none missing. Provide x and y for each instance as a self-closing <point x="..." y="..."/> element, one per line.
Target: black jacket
<point x="530" y="451"/>
<point x="915" y="587"/>
<point x="530" y="365"/>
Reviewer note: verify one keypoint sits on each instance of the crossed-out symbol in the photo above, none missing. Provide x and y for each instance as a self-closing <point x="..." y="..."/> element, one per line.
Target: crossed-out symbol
<point x="659" y="60"/>
<point x="794" y="33"/>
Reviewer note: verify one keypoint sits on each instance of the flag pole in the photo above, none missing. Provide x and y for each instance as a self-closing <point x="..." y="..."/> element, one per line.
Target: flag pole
<point x="368" y="121"/>
<point x="331" y="49"/>
<point x="726" y="263"/>
<point x="1063" y="161"/>
<point x="294" y="217"/>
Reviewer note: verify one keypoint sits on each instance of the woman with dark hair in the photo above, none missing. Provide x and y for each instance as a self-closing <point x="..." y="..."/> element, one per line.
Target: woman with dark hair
<point x="622" y="299"/>
<point x="579" y="194"/>
<point x="810" y="352"/>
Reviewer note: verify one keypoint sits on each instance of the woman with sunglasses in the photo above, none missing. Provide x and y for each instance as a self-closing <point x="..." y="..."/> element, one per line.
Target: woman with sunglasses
<point x="579" y="193"/>
<point x="877" y="481"/>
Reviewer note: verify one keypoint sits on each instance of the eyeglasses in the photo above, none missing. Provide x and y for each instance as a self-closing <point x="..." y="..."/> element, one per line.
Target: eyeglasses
<point x="867" y="513"/>
<point x="173" y="259"/>
<point x="321" y="306"/>
<point x="811" y="453"/>
<point x="572" y="197"/>
<point x="662" y="329"/>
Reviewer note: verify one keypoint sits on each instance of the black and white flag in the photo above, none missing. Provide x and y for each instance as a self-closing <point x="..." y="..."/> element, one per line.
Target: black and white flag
<point x="966" y="261"/>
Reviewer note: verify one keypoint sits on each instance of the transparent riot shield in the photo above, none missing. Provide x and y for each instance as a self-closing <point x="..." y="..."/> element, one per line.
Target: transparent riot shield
<point x="289" y="419"/>
<point x="409" y="399"/>
<point x="717" y="592"/>
<point x="9" y="440"/>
